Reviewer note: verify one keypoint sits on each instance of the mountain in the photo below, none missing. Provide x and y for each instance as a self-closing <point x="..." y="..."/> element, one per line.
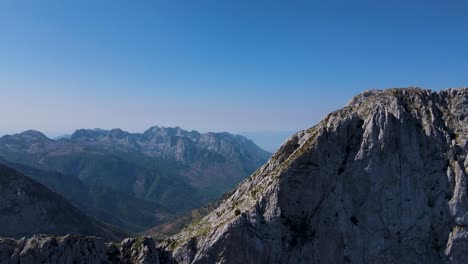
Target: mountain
<point x="112" y="207"/>
<point x="176" y="224"/>
<point x="209" y="161"/>
<point x="168" y="167"/>
<point x="80" y="250"/>
<point x="383" y="180"/>
<point x="27" y="208"/>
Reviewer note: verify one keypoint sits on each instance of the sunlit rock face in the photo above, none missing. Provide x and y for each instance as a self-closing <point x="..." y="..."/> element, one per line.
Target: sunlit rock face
<point x="383" y="180"/>
<point x="79" y="250"/>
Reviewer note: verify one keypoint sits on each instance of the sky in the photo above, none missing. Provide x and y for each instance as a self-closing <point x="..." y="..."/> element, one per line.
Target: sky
<point x="237" y="66"/>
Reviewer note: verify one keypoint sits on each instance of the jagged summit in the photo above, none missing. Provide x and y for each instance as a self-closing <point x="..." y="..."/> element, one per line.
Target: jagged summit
<point x="170" y="142"/>
<point x="409" y="92"/>
<point x="380" y="181"/>
<point x="80" y="133"/>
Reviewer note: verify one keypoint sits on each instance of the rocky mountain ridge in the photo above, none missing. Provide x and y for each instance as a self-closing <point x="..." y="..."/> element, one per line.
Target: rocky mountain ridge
<point x="167" y="142"/>
<point x="80" y="250"/>
<point x="162" y="142"/>
<point x="382" y="180"/>
<point x="170" y="168"/>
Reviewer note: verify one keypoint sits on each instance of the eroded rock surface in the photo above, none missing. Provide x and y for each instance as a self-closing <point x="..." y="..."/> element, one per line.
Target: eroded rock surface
<point x="77" y="250"/>
<point x="382" y="180"/>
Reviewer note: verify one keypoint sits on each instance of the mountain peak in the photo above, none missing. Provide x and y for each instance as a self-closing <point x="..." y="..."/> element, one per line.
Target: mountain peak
<point x="363" y="185"/>
<point x="117" y="133"/>
<point x="86" y="133"/>
<point x="382" y="96"/>
<point x="34" y="134"/>
<point x="152" y="129"/>
<point x="170" y="131"/>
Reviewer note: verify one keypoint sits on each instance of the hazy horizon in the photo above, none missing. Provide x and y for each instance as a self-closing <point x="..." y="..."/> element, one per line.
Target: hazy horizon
<point x="267" y="140"/>
<point x="216" y="66"/>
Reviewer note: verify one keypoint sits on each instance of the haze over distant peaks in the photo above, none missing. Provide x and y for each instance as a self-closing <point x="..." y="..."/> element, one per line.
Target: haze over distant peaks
<point x="160" y="171"/>
<point x="29" y="208"/>
<point x="382" y="180"/>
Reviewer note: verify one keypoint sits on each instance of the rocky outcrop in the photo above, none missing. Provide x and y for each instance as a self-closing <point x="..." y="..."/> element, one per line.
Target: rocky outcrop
<point x="85" y="250"/>
<point x="382" y="180"/>
<point x="27" y="208"/>
<point x="184" y="146"/>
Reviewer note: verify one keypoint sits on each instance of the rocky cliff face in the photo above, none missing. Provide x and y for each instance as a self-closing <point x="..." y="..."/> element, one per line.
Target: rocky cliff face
<point x="27" y="207"/>
<point x="80" y="250"/>
<point x="382" y="180"/>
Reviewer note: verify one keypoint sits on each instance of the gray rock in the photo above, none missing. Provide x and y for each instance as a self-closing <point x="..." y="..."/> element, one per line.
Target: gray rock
<point x="76" y="250"/>
<point x="382" y="180"/>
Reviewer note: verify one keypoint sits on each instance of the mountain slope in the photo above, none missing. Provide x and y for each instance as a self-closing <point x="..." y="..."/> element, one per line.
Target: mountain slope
<point x="112" y="207"/>
<point x="210" y="162"/>
<point x="171" y="167"/>
<point x="27" y="208"/>
<point x="176" y="224"/>
<point x="382" y="180"/>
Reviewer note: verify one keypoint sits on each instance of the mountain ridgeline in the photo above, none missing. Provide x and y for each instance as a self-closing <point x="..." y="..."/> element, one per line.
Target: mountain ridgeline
<point x="135" y="180"/>
<point x="27" y="207"/>
<point x="382" y="180"/>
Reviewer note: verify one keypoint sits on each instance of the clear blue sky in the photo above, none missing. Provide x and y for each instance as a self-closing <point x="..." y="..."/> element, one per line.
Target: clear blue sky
<point x="216" y="65"/>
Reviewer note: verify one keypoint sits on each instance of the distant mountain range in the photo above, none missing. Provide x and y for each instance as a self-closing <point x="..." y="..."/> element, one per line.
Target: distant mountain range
<point x="382" y="180"/>
<point x="135" y="180"/>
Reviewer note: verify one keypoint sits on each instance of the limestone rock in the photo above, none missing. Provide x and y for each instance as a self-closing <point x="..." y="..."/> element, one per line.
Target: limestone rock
<point x="383" y="180"/>
<point x="76" y="249"/>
